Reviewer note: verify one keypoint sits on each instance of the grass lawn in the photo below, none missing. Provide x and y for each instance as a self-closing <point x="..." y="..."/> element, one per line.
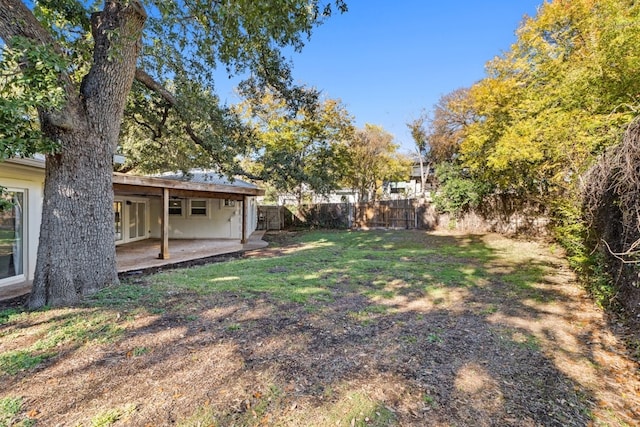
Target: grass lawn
<point x="377" y="328"/>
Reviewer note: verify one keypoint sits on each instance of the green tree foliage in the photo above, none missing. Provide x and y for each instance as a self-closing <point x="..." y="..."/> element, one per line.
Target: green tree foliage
<point x="459" y="192"/>
<point x="188" y="126"/>
<point x="155" y="138"/>
<point x="563" y="93"/>
<point x="25" y="89"/>
<point x="298" y="153"/>
<point x="184" y="44"/>
<point x="372" y="159"/>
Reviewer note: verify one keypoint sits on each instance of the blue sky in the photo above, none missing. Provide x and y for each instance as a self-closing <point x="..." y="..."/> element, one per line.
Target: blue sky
<point x="389" y="61"/>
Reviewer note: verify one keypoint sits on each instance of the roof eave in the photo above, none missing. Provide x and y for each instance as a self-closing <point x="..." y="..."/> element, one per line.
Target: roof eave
<point x="171" y="184"/>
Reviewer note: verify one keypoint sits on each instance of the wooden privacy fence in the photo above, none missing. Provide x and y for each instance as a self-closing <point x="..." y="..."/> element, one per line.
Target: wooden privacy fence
<point x="406" y="213"/>
<point x="385" y="214"/>
<point x="494" y="216"/>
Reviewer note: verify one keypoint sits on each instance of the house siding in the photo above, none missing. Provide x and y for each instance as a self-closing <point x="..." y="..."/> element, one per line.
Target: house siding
<point x="220" y="222"/>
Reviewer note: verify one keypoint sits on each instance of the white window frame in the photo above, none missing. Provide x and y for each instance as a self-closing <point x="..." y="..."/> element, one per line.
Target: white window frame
<point x="206" y="208"/>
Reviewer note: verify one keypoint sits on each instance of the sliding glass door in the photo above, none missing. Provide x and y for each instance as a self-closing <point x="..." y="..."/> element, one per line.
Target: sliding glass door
<point x="131" y="220"/>
<point x="137" y="220"/>
<point x="12" y="227"/>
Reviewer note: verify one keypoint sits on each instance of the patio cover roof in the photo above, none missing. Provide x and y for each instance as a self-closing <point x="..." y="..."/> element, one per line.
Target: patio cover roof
<point x="124" y="184"/>
<point x="200" y="184"/>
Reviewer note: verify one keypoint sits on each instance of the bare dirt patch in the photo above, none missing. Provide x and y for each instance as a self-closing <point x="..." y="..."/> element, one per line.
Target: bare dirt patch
<point x="457" y="330"/>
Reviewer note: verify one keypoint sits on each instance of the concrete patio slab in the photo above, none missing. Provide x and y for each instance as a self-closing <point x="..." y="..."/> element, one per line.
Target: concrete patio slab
<point x="142" y="256"/>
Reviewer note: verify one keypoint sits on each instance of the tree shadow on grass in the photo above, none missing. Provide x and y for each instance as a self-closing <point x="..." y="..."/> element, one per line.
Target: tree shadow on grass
<point x="410" y="329"/>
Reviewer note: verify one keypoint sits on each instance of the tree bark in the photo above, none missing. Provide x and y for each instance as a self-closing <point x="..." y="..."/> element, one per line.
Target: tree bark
<point x="422" y="175"/>
<point x="76" y="252"/>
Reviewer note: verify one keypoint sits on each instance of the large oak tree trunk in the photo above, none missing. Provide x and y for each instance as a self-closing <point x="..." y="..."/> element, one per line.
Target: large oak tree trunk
<point x="76" y="253"/>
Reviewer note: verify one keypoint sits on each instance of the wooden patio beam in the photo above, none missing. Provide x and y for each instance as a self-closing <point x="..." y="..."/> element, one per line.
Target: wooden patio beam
<point x="164" y="226"/>
<point x="205" y="195"/>
<point x="243" y="240"/>
<point x="135" y="190"/>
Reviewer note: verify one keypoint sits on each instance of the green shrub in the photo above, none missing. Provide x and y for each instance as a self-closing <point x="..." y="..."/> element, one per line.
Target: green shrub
<point x="458" y="192"/>
<point x="574" y="235"/>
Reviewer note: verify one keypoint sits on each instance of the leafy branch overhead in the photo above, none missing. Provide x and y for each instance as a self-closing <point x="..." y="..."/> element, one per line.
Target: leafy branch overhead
<point x="164" y="130"/>
<point x="184" y="44"/>
<point x="188" y="43"/>
<point x="28" y="83"/>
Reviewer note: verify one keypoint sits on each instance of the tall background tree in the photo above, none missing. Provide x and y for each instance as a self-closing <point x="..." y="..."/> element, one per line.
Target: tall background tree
<point x="72" y="65"/>
<point x="419" y="136"/>
<point x="447" y="125"/>
<point x="301" y="152"/>
<point x="373" y="158"/>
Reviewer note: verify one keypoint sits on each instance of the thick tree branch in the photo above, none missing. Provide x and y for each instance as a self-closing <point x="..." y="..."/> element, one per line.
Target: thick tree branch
<point x="16" y="20"/>
<point x="145" y="125"/>
<point x="148" y="81"/>
<point x="163" y="122"/>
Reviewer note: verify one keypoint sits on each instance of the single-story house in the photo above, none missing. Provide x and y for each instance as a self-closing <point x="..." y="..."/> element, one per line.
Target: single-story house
<point x="199" y="205"/>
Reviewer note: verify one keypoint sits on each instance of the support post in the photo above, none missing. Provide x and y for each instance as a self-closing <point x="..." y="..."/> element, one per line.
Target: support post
<point x="164" y="226"/>
<point x="244" y="220"/>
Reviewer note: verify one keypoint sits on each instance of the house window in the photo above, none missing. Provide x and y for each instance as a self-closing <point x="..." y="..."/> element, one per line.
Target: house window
<point x="228" y="203"/>
<point x="175" y="207"/>
<point x="198" y="208"/>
